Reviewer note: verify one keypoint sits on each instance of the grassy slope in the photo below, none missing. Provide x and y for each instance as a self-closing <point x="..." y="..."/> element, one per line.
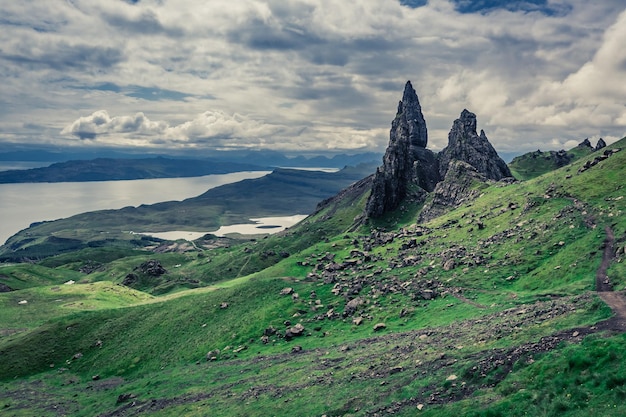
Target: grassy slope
<point x="526" y="273"/>
<point x="534" y="164"/>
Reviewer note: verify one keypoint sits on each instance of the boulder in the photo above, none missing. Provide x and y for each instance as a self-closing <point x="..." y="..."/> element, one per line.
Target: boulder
<point x="379" y="326"/>
<point x="286" y="291"/>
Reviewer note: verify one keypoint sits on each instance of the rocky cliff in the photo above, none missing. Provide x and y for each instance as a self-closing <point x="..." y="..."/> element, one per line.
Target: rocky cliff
<point x="410" y="171"/>
<point x="407" y="145"/>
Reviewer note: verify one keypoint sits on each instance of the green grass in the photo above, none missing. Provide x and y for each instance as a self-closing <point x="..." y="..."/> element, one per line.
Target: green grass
<point x="525" y="257"/>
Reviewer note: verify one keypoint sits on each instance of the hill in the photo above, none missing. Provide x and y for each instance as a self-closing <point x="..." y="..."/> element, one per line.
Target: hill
<point x="109" y="169"/>
<point x="534" y="164"/>
<point x="498" y="305"/>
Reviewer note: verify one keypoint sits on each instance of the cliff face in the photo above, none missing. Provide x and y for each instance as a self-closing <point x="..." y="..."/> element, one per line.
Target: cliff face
<point x="411" y="170"/>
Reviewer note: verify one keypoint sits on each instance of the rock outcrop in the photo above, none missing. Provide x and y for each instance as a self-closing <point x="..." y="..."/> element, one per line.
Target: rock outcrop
<point x="411" y="172"/>
<point x="407" y="141"/>
<point x="458" y="186"/>
<point x="601" y="144"/>
<point x="464" y="144"/>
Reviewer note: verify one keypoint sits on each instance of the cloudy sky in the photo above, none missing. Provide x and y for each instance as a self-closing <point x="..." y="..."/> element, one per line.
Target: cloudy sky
<point x="317" y="76"/>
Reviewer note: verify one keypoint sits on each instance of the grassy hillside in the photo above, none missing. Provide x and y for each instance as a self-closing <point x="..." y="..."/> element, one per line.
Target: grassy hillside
<point x="490" y="309"/>
<point x="533" y="164"/>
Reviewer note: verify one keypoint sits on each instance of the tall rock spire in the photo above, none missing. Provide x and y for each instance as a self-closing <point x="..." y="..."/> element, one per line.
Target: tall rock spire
<point x="410" y="171"/>
<point x="411" y="116"/>
<point x="408" y="135"/>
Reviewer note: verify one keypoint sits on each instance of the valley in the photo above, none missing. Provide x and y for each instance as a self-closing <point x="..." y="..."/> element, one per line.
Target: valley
<point x="437" y="286"/>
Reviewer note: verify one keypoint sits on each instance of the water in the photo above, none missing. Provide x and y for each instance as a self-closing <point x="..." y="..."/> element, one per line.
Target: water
<point x="23" y="204"/>
<point x="261" y="225"/>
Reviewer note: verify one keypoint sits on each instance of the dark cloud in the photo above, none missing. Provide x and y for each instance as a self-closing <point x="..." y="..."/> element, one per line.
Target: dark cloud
<point x="258" y="34"/>
<point x="146" y="23"/>
<point x="65" y="56"/>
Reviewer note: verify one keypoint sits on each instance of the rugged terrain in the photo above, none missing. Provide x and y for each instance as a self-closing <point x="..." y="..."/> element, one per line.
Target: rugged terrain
<point x="469" y="294"/>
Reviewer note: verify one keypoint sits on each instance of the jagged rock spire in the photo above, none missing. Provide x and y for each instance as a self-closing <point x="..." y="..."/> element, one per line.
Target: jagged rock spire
<point x="411" y="170"/>
<point x="408" y="135"/>
<point x="410" y="115"/>
<point x="464" y="144"/>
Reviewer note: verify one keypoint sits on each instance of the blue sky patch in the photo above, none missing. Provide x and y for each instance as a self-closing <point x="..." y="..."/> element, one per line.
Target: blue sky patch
<point x="137" y="91"/>
<point x="486" y="6"/>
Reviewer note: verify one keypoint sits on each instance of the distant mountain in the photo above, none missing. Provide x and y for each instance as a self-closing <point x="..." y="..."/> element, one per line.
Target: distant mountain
<point x="277" y="159"/>
<point x="261" y="157"/>
<point x="108" y="169"/>
<point x="112" y="165"/>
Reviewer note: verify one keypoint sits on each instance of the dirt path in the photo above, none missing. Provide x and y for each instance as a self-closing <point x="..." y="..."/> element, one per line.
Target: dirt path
<point x="602" y="280"/>
<point x="615" y="300"/>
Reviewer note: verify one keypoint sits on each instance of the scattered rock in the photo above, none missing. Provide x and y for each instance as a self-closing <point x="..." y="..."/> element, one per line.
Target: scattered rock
<point x="223" y="305"/>
<point x="295" y="331"/>
<point x="152" y="267"/>
<point x="449" y="265"/>
<point x="395" y="370"/>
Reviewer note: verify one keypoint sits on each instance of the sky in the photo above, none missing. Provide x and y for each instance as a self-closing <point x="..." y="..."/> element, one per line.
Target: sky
<point x="307" y="76"/>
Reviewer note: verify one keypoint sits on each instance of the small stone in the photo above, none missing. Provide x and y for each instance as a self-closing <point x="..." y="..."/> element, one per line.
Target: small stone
<point x="452" y="378"/>
<point x="420" y="407"/>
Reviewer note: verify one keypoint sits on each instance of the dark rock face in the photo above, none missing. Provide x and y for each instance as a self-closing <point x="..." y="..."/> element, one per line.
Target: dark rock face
<point x="410" y="117"/>
<point x="465" y="145"/>
<point x="408" y="136"/>
<point x="410" y="170"/>
<point x="560" y="158"/>
<point x="601" y="144"/>
<point x="456" y="188"/>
